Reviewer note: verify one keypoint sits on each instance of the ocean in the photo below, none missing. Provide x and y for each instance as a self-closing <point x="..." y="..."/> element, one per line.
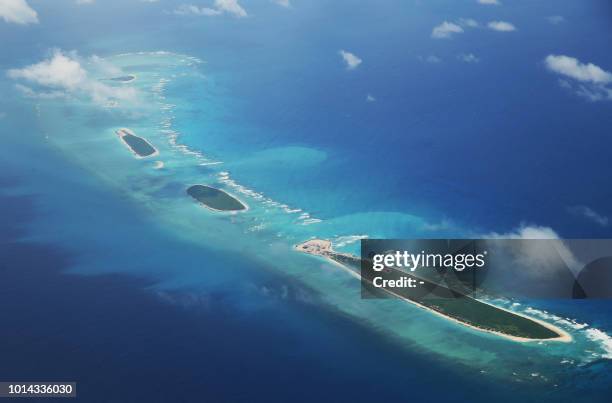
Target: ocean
<point x="113" y="277"/>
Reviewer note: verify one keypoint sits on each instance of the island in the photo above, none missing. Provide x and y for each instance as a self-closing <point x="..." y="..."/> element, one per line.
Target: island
<point x="140" y="147"/>
<point x="215" y="199"/>
<point x="124" y="79"/>
<point x="445" y="302"/>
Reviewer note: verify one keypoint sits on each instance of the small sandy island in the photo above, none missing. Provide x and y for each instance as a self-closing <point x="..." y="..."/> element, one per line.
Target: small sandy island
<point x="320" y="247"/>
<point x="447" y="303"/>
<point x="216" y="199"/>
<point x="139" y="146"/>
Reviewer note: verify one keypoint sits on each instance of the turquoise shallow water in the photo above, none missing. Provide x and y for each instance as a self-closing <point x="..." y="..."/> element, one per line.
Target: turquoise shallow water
<point x="266" y="232"/>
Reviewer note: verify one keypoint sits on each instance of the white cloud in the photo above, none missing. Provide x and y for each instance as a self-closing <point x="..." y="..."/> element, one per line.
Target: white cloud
<point x="529" y="254"/>
<point x="370" y="98"/>
<point x="490" y="2"/>
<point x="231" y="7"/>
<point x="282" y="3"/>
<point x="532" y="255"/>
<point x="430" y="59"/>
<point x="573" y="68"/>
<point x="555" y="19"/>
<point x="593" y="92"/>
<point x="104" y="67"/>
<point x="527" y="232"/>
<point x="190" y="9"/>
<point x="589" y="80"/>
<point x="17" y="11"/>
<point x="60" y="71"/>
<point x="446" y="30"/>
<point x="351" y="60"/>
<point x="468" y="58"/>
<point x="590" y="214"/>
<point x="63" y="75"/>
<point x="468" y="22"/>
<point x="220" y="6"/>
<point x="84" y="1"/>
<point x="501" y="26"/>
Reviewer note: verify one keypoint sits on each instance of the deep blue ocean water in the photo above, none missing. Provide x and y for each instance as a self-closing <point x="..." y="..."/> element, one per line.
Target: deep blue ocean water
<point x="111" y="278"/>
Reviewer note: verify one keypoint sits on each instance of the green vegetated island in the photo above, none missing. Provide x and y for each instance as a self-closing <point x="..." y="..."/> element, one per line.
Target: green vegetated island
<point x="212" y="198"/>
<point x="446" y="302"/>
<point x="215" y="199"/>
<point x="138" y="145"/>
<point x="123" y="79"/>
